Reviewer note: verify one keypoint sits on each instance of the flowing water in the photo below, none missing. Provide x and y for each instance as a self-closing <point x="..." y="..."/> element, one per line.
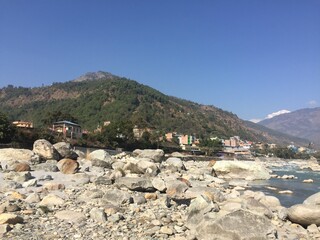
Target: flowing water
<point x="300" y="190"/>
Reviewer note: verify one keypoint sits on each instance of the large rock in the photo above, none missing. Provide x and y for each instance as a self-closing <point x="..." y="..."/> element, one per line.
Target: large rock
<point x="45" y="150"/>
<point x="68" y="166"/>
<point x="141" y="166"/>
<point x="10" y="157"/>
<point x="304" y="214"/>
<point x="155" y="155"/>
<point x="248" y="170"/>
<point x="65" y="151"/>
<point x="10" y="218"/>
<point x="118" y="197"/>
<point x="101" y="158"/>
<point x="70" y="216"/>
<point x="135" y="184"/>
<point x="176" y="189"/>
<point x="240" y="225"/>
<point x="174" y="164"/>
<point x="313" y="199"/>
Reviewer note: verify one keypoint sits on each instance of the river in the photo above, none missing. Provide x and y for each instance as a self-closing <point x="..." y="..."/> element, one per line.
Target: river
<point x="300" y="190"/>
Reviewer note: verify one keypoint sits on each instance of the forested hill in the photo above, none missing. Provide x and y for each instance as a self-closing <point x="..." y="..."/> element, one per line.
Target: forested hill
<point x="97" y="97"/>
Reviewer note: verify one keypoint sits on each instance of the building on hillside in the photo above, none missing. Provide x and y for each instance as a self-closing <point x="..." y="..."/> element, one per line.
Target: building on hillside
<point x="68" y="129"/>
<point x="99" y="128"/>
<point x="22" y="124"/>
<point x="186" y="140"/>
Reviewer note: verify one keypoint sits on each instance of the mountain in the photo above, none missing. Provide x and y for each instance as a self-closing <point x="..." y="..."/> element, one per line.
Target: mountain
<point x="97" y="97"/>
<point x="304" y="123"/>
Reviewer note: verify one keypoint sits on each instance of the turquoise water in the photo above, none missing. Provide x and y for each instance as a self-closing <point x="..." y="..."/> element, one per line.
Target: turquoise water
<point x="300" y="190"/>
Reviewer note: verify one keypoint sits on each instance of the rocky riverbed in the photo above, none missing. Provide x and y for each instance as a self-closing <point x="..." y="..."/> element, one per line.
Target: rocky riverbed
<point x="53" y="192"/>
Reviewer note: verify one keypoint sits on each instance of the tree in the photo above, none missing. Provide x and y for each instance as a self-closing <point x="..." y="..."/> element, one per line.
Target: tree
<point x="6" y="129"/>
<point x="56" y="116"/>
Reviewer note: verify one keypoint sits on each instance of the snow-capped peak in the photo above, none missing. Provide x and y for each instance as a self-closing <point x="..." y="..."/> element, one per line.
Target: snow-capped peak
<point x="271" y="115"/>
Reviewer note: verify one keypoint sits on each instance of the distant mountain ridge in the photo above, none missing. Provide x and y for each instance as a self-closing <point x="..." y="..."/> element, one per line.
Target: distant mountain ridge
<point x="304" y="123"/>
<point x="97" y="97"/>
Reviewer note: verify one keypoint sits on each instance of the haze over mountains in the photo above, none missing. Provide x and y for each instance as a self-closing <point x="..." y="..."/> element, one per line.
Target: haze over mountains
<point x="304" y="123"/>
<point x="101" y="96"/>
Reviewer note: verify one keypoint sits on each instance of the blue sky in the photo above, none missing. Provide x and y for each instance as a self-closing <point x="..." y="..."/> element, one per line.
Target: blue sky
<point x="249" y="57"/>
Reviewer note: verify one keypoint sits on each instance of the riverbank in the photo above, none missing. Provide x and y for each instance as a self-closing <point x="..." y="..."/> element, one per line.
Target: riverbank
<point x="55" y="193"/>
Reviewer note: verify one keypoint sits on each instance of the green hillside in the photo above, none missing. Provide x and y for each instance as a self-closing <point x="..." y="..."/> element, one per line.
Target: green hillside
<point x="98" y="97"/>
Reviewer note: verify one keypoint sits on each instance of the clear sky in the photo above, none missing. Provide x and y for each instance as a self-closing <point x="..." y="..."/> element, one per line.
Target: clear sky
<point x="250" y="57"/>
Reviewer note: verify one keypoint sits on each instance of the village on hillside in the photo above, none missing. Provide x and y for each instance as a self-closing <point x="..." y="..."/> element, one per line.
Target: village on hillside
<point x="233" y="147"/>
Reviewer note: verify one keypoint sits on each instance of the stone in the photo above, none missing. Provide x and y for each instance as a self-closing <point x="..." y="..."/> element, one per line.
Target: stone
<point x="4" y="228"/>
<point x="111" y="209"/>
<point x="198" y="207"/>
<point x="65" y="151"/>
<point x="141" y="166"/>
<point x="51" y="200"/>
<point x="52" y="186"/>
<point x="166" y="230"/>
<point x="68" y="166"/>
<point x="30" y="183"/>
<point x="70" y="216"/>
<point x="10" y="218"/>
<point x="22" y="167"/>
<point x="9" y="207"/>
<point x="80" y="179"/>
<point x="18" y="176"/>
<point x="240" y="225"/>
<point x="118" y="197"/>
<point x="174" y="164"/>
<point x="11" y="156"/>
<point x="270" y="201"/>
<point x="45" y="150"/>
<point x="308" y="181"/>
<point x="103" y="181"/>
<point x="313" y="199"/>
<point x="159" y="184"/>
<point x="304" y="214"/>
<point x="214" y="194"/>
<point x="135" y="184"/>
<point x="101" y="158"/>
<point x="98" y="215"/>
<point x="176" y="189"/>
<point x="151" y="196"/>
<point x="285" y="192"/>
<point x="139" y="199"/>
<point x="9" y="185"/>
<point x="47" y="167"/>
<point x="241" y="170"/>
<point x="155" y="155"/>
<point x="33" y="198"/>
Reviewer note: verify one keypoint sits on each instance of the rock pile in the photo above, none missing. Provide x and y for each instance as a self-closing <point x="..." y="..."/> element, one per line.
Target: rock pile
<point x="53" y="192"/>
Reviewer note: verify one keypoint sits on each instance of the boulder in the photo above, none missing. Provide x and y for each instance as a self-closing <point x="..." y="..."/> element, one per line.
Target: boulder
<point x="155" y="155"/>
<point x="98" y="215"/>
<point x="198" y="207"/>
<point x="45" y="150"/>
<point x="51" y="200"/>
<point x="135" y="184"/>
<point x="22" y="167"/>
<point x="141" y="166"/>
<point x="10" y="157"/>
<point x="176" y="189"/>
<point x="47" y="166"/>
<point x="65" y="151"/>
<point x="313" y="199"/>
<point x="70" y="216"/>
<point x="174" y="164"/>
<point x="240" y="225"/>
<point x="101" y="158"/>
<point x="68" y="166"/>
<point x="159" y="184"/>
<point x="118" y="197"/>
<point x="10" y="218"/>
<point x="304" y="214"/>
<point x="241" y="170"/>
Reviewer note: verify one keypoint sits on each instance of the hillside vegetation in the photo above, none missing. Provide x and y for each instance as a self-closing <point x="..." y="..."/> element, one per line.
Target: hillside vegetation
<point x="92" y="100"/>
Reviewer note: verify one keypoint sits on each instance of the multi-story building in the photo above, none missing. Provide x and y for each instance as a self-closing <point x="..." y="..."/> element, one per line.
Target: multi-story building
<point x="68" y="129"/>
